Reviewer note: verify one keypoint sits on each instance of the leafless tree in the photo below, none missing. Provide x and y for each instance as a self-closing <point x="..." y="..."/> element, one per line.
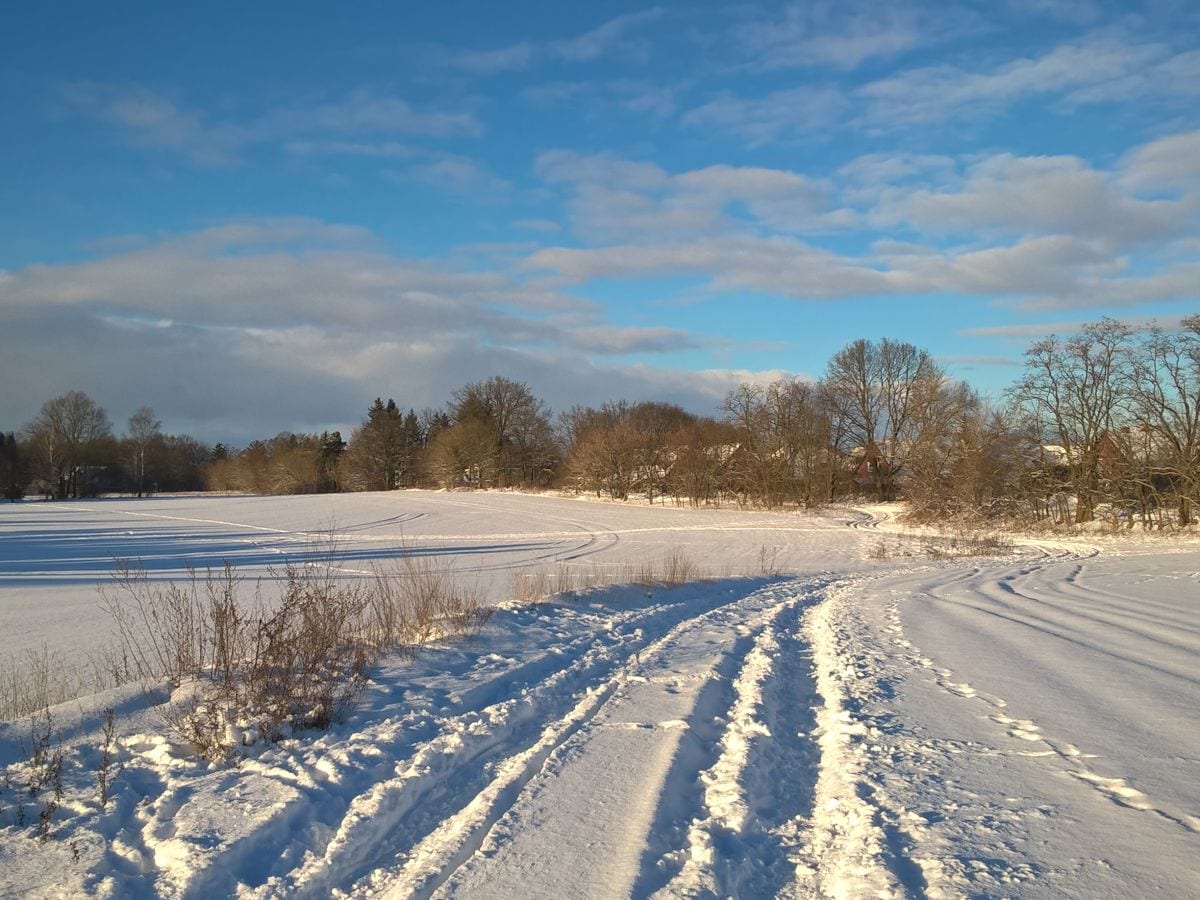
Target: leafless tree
<point x="946" y="451"/>
<point x="143" y="431"/>
<point x="703" y="453"/>
<point x="1072" y="394"/>
<point x="1165" y="405"/>
<point x="525" y="450"/>
<point x="605" y="459"/>
<point x="783" y="452"/>
<point x="873" y="392"/>
<point x="65" y="435"/>
<point x="463" y="455"/>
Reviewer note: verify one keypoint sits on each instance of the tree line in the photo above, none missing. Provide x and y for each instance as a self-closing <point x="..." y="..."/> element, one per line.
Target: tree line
<point x="1103" y="422"/>
<point x="69" y="450"/>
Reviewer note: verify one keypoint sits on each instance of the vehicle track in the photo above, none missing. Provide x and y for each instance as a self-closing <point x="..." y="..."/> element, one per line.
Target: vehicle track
<point x="738" y="638"/>
<point x="507" y="723"/>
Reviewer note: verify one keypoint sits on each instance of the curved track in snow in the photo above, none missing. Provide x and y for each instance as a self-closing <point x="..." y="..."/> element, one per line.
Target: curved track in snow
<point x="1028" y="728"/>
<point x="885" y="727"/>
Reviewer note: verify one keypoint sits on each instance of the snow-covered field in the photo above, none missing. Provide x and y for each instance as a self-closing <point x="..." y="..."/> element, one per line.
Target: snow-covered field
<point x="871" y="723"/>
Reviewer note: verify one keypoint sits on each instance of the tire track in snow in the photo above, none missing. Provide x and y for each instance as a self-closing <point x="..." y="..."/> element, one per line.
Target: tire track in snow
<point x="436" y="860"/>
<point x="1072" y="759"/>
<point x="852" y="845"/>
<point x="756" y="794"/>
<point x="350" y="788"/>
<point x="469" y="750"/>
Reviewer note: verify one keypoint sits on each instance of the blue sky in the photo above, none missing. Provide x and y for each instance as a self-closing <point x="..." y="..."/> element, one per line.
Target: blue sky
<point x="256" y="219"/>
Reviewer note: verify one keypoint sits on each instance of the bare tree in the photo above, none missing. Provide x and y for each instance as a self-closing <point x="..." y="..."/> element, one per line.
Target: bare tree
<point x="143" y="432"/>
<point x="1072" y="394"/>
<point x="703" y="451"/>
<point x="463" y="455"/>
<point x="783" y="452"/>
<point x="525" y="450"/>
<point x="1165" y="403"/>
<point x="945" y="449"/>
<point x="873" y="393"/>
<point x="606" y="459"/>
<point x="64" y="436"/>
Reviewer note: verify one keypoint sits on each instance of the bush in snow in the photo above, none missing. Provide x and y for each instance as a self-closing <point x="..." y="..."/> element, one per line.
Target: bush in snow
<point x="247" y="670"/>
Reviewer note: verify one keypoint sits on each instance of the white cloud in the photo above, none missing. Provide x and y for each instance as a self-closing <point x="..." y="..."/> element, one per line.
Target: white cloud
<point x="600" y="40"/>
<point x="1076" y="12"/>
<point x="1044" y="272"/>
<point x="555" y="91"/>
<point x="546" y="226"/>
<point x="151" y="119"/>
<point x="617" y="199"/>
<point x="1034" y="195"/>
<point x="501" y="59"/>
<point x="597" y="168"/>
<point x="776" y="265"/>
<point x="1172" y="161"/>
<point x="1038" y="266"/>
<point x="1179" y="282"/>
<point x="455" y="174"/>
<point x="865" y="179"/>
<point x="362" y="112"/>
<point x="368" y="149"/>
<point x="1086" y="71"/>
<point x="1176" y="76"/>
<point x="842" y="36"/>
<point x="653" y="99"/>
<point x="300" y="323"/>
<point x="782" y="114"/>
<point x="617" y="341"/>
<point x="1025" y="330"/>
<point x="1102" y="66"/>
<point x="609" y="37"/>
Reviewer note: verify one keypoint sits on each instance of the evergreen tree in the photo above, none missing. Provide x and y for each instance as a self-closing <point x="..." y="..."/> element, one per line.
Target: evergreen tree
<point x="382" y="452"/>
<point x="332" y="449"/>
<point x="11" y="477"/>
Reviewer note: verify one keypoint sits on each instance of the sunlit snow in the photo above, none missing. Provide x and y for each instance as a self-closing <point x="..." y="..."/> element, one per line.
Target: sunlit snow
<point x="832" y="713"/>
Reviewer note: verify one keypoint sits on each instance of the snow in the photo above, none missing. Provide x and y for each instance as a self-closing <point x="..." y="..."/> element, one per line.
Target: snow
<point x="53" y="556"/>
<point x="866" y="724"/>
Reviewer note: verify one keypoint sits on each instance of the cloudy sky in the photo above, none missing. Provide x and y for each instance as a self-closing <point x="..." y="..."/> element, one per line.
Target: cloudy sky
<point x="258" y="217"/>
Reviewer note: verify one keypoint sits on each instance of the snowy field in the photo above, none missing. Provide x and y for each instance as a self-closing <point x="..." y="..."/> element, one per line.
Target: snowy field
<point x="53" y="556"/>
<point x="871" y="722"/>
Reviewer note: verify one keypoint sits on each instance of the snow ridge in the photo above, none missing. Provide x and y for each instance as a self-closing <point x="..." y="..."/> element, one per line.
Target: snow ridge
<point x="847" y="854"/>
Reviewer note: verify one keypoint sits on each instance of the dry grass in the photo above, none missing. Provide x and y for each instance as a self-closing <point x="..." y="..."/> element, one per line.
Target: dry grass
<point x="243" y="670"/>
<point x="968" y="545"/>
<point x="677" y="568"/>
<point x="566" y="582"/>
<point x="40" y="678"/>
<point x="959" y="545"/>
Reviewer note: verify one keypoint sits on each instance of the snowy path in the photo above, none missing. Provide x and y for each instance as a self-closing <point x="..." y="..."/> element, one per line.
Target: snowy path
<point x="583" y="779"/>
<point x="866" y="727"/>
<point x="1030" y="729"/>
<point x="680" y="795"/>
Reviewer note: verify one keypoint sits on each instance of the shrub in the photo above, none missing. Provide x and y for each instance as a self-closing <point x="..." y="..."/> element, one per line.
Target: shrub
<point x="242" y="671"/>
